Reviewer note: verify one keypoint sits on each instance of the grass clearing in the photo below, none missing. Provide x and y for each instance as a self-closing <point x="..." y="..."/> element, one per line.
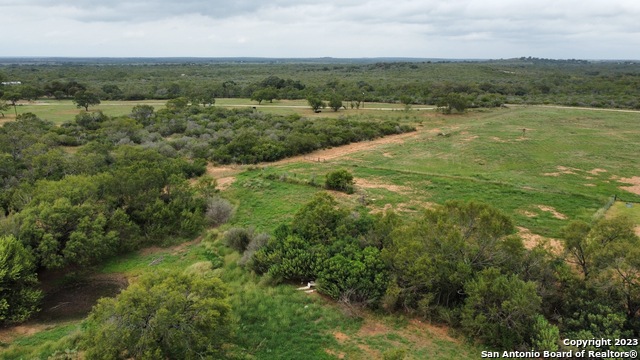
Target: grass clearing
<point x="564" y="166"/>
<point x="626" y="209"/>
<point x="60" y="111"/>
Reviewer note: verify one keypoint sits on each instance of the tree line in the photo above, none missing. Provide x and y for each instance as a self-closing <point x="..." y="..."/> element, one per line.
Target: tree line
<point x="76" y="194"/>
<point x="482" y="84"/>
<point x="462" y="264"/>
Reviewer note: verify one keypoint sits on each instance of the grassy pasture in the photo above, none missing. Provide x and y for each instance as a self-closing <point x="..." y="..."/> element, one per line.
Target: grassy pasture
<point x="565" y="166"/>
<point x="59" y="111"/>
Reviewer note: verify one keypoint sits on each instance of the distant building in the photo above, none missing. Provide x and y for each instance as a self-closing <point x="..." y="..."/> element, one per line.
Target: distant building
<point x="12" y="83"/>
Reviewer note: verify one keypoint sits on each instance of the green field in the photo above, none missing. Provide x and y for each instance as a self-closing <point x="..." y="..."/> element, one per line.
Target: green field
<point x="567" y="161"/>
<point x="565" y="166"/>
<point x="59" y="111"/>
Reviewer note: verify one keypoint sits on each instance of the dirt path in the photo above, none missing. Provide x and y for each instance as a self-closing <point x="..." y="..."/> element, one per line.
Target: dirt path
<point x="225" y="174"/>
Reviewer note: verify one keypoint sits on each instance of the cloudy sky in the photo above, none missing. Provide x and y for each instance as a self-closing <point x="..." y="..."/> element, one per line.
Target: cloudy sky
<point x="561" y="29"/>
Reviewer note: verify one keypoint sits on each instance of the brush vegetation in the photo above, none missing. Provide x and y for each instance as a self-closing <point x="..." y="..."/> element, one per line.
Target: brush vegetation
<point x="408" y="238"/>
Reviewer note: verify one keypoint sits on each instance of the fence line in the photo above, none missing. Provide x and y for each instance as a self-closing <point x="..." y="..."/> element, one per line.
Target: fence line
<point x="603" y="210"/>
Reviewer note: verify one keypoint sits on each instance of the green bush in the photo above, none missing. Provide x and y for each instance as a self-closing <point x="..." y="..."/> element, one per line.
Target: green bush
<point x="238" y="238"/>
<point x="19" y="297"/>
<point x="501" y="310"/>
<point x="340" y="180"/>
<point x="165" y="315"/>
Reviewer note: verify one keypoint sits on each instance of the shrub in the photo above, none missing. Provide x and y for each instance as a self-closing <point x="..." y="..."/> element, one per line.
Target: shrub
<point x="500" y="309"/>
<point x="19" y="296"/>
<point x="219" y="211"/>
<point x="394" y="354"/>
<point x="165" y="315"/>
<point x="256" y="243"/>
<point x="340" y="180"/>
<point x="238" y="238"/>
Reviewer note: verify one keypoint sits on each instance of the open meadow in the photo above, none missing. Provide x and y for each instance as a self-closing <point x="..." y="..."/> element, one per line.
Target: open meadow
<point x="564" y="166"/>
<point x="542" y="166"/>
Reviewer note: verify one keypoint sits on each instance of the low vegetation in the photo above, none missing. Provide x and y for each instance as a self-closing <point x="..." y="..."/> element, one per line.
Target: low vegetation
<point x="392" y="232"/>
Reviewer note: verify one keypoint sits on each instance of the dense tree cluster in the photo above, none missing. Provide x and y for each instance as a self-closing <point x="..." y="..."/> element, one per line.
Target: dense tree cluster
<point x="19" y="296"/>
<point x="460" y="263"/>
<point x="166" y="315"/>
<point x="481" y="84"/>
<point x="99" y="186"/>
<point x="330" y="244"/>
<point x="221" y="135"/>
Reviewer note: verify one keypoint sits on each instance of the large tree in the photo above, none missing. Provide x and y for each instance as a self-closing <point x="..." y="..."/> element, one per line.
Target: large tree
<point x="268" y="93"/>
<point x="335" y="102"/>
<point x="19" y="297"/>
<point x="316" y="103"/>
<point x="85" y="99"/>
<point x="164" y="315"/>
<point x="434" y="257"/>
<point x="500" y="309"/>
<point x="13" y="97"/>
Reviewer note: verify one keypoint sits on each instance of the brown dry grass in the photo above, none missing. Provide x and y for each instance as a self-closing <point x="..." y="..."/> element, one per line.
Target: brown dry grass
<point x="562" y="170"/>
<point x="174" y="250"/>
<point x="596" y="171"/>
<point x="554" y="212"/>
<point x="225" y="182"/>
<point x="532" y="240"/>
<point x="375" y="184"/>
<point x="8" y="334"/>
<point x="634" y="184"/>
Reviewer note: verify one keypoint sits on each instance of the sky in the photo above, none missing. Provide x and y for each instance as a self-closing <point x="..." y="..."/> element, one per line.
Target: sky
<point x="460" y="29"/>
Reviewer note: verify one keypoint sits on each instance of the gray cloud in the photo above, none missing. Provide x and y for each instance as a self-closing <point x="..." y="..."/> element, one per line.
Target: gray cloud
<point x="305" y="28"/>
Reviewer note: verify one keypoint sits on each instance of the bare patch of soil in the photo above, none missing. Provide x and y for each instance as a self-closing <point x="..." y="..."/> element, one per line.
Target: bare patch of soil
<point x="637" y="230"/>
<point x="497" y="139"/>
<point x="5" y="119"/>
<point x="339" y="355"/>
<point x="562" y="170"/>
<point x="527" y="213"/>
<point x="590" y="185"/>
<point x="553" y="212"/>
<point x="373" y="328"/>
<point x="532" y="240"/>
<point x="596" y="171"/>
<point x="339" y="194"/>
<point x="373" y="184"/>
<point x="341" y="337"/>
<point x="225" y="182"/>
<point x="7" y="334"/>
<point x="387" y="154"/>
<point x="339" y="151"/>
<point x="633" y="181"/>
